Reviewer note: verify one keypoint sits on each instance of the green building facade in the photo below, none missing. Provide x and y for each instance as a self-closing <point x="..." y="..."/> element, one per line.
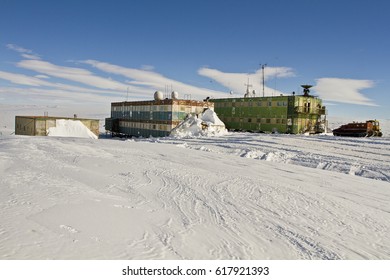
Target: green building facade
<point x="277" y="114"/>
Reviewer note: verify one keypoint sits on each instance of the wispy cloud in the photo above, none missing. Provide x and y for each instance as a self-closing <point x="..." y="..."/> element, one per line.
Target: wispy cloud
<point x="344" y="90"/>
<point x="79" y="75"/>
<point x="237" y="81"/>
<point x="22" y="79"/>
<point x="34" y="95"/>
<point x="26" y="53"/>
<point x="25" y="80"/>
<point x="18" y="48"/>
<point x="79" y="83"/>
<point x="154" y="80"/>
<point x="33" y="90"/>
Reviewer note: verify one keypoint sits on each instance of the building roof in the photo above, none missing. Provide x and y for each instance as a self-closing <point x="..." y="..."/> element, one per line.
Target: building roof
<point x="55" y="118"/>
<point x="163" y="102"/>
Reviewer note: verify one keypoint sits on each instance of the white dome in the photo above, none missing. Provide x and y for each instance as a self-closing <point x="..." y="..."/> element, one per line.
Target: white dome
<point x="175" y="95"/>
<point x="158" y="95"/>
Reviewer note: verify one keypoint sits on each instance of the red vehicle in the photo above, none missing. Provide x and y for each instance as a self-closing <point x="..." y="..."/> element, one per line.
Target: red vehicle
<point x="359" y="129"/>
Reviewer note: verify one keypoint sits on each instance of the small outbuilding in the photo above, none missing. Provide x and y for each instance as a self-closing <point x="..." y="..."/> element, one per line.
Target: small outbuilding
<point x="40" y="125"/>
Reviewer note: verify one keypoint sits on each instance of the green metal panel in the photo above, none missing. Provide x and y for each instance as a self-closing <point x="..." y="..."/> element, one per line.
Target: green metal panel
<point x="284" y="114"/>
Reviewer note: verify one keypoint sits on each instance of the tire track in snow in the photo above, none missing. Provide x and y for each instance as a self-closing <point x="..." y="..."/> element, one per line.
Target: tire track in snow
<point x="361" y="157"/>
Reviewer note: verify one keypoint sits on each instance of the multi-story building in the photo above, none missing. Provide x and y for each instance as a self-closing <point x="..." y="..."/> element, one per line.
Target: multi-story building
<point x="283" y="114"/>
<point x="151" y="118"/>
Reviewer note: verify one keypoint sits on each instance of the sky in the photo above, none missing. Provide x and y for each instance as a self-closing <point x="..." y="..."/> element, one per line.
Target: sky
<point x="92" y="53"/>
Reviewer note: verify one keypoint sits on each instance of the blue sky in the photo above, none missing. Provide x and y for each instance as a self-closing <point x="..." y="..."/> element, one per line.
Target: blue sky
<point x="83" y="52"/>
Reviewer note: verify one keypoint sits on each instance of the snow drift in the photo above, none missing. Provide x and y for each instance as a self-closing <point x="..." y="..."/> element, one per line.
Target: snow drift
<point x="206" y="124"/>
<point x="71" y="128"/>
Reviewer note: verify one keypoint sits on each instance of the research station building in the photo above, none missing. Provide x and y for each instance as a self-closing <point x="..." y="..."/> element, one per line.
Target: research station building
<point x="154" y="118"/>
<point x="294" y="114"/>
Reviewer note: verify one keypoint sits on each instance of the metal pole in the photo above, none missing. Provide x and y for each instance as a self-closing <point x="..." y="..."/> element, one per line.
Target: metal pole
<point x="262" y="70"/>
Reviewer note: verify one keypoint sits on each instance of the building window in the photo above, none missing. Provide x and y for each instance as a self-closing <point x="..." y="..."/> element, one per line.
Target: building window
<point x="267" y="120"/>
<point x="249" y="120"/>
<point x="270" y="103"/>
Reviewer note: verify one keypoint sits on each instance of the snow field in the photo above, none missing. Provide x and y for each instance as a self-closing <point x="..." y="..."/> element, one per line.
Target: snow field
<point x="200" y="198"/>
<point x="366" y="157"/>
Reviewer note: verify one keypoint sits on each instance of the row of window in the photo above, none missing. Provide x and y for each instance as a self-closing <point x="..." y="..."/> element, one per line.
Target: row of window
<point x="251" y="104"/>
<point x="142" y="108"/>
<point x="161" y="116"/>
<point x="150" y="126"/>
<point x="157" y="108"/>
<point x="257" y="120"/>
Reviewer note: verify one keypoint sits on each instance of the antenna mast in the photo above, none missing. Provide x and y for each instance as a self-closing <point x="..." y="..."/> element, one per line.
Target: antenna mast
<point x="262" y="71"/>
<point x="248" y="85"/>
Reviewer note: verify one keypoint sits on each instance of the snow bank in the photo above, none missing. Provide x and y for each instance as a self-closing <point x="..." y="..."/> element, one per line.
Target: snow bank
<point x="71" y="128"/>
<point x="206" y="124"/>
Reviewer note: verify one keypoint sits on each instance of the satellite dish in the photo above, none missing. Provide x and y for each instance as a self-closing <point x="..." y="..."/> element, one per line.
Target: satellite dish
<point x="306" y="89"/>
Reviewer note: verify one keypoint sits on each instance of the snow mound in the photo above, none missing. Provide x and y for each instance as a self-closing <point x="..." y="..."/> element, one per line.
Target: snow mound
<point x="70" y="128"/>
<point x="206" y="124"/>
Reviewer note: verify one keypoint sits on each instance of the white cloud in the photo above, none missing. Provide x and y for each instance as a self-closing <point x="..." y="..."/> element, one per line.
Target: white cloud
<point x="31" y="56"/>
<point x="26" y="53"/>
<point x="154" y="81"/>
<point x="237" y="81"/>
<point x="47" y="95"/>
<point x="344" y="90"/>
<point x="79" y="75"/>
<point x="18" y="49"/>
<point x="42" y="76"/>
<point x="21" y="79"/>
<point x="141" y="83"/>
<point x="54" y="90"/>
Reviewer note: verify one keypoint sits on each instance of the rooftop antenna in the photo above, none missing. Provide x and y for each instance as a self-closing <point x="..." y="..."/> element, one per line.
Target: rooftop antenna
<point x="306" y="89"/>
<point x="248" y="85"/>
<point x="127" y="95"/>
<point x="262" y="71"/>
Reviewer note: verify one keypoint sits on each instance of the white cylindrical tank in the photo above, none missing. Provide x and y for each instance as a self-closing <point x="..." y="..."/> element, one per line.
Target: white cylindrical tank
<point x="175" y="95"/>
<point x="158" y="95"/>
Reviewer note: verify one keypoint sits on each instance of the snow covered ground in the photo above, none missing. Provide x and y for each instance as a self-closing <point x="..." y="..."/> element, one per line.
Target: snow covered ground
<point x="237" y="196"/>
